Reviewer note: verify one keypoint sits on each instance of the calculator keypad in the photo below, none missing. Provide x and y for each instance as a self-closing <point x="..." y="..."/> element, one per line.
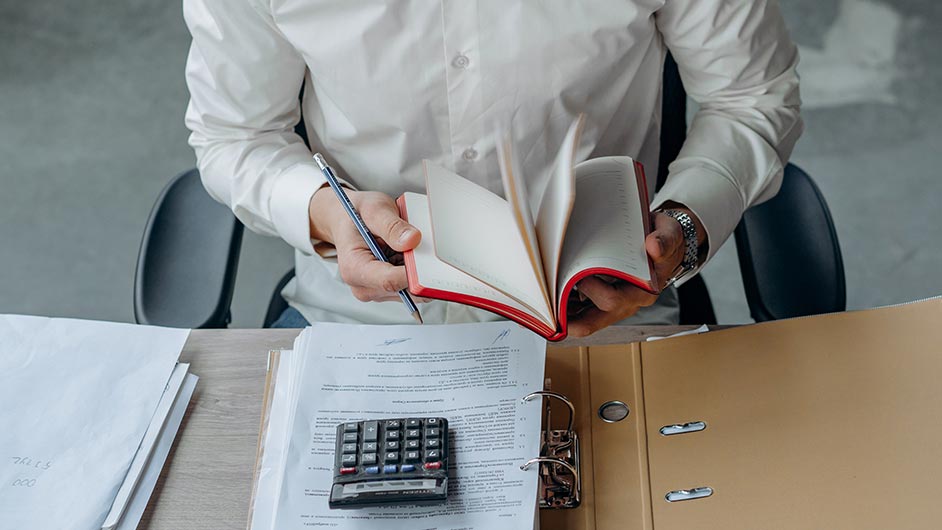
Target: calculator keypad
<point x="380" y="445"/>
<point x="389" y="455"/>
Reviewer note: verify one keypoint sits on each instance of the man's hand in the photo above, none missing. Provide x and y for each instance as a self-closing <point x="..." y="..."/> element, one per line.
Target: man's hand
<point x="608" y="301"/>
<point x="368" y="278"/>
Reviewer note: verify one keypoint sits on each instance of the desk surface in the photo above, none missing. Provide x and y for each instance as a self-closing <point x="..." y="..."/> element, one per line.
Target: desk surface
<point x="207" y="480"/>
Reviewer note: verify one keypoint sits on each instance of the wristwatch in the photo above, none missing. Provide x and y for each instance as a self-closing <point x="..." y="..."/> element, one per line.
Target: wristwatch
<point x="691" y="248"/>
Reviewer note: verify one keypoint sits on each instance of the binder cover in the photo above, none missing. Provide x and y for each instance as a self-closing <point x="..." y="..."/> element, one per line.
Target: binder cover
<point x="829" y="421"/>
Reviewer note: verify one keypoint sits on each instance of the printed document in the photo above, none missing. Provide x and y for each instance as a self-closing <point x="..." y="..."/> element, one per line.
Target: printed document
<point x="472" y="374"/>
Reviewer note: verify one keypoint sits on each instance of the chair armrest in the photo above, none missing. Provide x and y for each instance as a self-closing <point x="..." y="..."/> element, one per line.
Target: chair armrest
<point x="189" y="255"/>
<point x="789" y="255"/>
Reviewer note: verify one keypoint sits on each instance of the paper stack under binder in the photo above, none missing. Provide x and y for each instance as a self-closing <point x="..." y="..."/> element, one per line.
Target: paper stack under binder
<point x="473" y="375"/>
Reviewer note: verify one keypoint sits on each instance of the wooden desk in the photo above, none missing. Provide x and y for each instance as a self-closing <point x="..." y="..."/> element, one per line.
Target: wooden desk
<point x="207" y="480"/>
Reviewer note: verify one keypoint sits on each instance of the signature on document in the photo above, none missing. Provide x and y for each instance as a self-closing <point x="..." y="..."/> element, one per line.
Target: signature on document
<point x="390" y="342"/>
<point x="501" y="336"/>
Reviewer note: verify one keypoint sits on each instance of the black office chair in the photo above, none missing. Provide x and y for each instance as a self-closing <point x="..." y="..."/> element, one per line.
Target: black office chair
<point x="789" y="255"/>
<point x="189" y="255"/>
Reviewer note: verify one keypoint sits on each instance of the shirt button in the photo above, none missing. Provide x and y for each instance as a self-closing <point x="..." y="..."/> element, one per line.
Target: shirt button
<point x="469" y="154"/>
<point x="461" y="61"/>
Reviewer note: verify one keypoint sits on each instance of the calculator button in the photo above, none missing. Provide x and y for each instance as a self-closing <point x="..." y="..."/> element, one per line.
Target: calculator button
<point x="369" y="447"/>
<point x="372" y="470"/>
<point x="432" y="422"/>
<point x="393" y="424"/>
<point x="349" y="448"/>
<point x="349" y="437"/>
<point x="368" y="459"/>
<point x="348" y="460"/>
<point x="412" y="456"/>
<point x="348" y="470"/>
<point x="434" y="443"/>
<point x="413" y="433"/>
<point x="392" y="446"/>
<point x="407" y="468"/>
<point x="433" y="433"/>
<point x="433" y="465"/>
<point x="389" y="469"/>
<point x="413" y="424"/>
<point x="412" y="444"/>
<point x="370" y="431"/>
<point x="391" y="457"/>
<point x="350" y="427"/>
<point x="392" y="435"/>
<point x="432" y="455"/>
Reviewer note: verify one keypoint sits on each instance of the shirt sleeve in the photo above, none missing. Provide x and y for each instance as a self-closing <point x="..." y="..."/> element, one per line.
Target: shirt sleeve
<point x="738" y="63"/>
<point x="244" y="79"/>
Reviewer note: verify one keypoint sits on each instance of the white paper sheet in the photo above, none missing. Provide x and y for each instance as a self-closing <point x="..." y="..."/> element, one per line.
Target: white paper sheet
<point x="472" y="374"/>
<point x="274" y="444"/>
<point x="76" y="398"/>
<point x="145" y="486"/>
<point x="142" y="457"/>
<point x="702" y="329"/>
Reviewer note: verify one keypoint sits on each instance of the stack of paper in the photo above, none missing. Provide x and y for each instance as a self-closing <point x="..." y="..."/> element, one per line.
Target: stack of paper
<point x="472" y="374"/>
<point x="89" y="411"/>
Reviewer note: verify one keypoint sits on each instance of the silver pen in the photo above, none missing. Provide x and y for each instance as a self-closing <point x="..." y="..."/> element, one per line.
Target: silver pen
<point x="361" y="227"/>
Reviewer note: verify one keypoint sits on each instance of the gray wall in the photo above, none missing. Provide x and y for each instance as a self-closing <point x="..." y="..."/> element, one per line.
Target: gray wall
<point x="91" y="128"/>
<point x="91" y="109"/>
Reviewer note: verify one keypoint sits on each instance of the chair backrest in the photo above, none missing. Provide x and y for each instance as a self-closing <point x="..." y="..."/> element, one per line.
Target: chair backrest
<point x="673" y="118"/>
<point x="789" y="254"/>
<point x="189" y="254"/>
<point x="277" y="304"/>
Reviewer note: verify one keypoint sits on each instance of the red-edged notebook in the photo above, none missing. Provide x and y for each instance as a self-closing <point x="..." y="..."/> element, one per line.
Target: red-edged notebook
<point x="520" y="257"/>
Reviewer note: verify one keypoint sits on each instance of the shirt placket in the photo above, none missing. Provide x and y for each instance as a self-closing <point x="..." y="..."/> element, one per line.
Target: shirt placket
<point x="470" y="135"/>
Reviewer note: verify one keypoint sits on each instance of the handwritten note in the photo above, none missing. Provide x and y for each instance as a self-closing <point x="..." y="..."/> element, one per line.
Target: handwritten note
<point x="28" y="467"/>
<point x="29" y="462"/>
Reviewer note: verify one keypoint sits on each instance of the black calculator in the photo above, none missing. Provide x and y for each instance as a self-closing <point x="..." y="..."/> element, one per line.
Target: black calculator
<point x="390" y="461"/>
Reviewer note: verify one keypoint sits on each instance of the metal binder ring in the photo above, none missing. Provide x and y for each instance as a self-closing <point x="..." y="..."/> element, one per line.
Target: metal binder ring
<point x="551" y="460"/>
<point x="564" y="399"/>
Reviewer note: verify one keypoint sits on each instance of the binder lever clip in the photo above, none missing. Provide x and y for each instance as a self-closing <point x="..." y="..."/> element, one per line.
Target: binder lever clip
<point x="560" y="482"/>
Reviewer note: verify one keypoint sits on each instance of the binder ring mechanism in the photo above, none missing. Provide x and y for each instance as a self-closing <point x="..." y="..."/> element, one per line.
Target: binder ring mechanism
<point x="560" y="483"/>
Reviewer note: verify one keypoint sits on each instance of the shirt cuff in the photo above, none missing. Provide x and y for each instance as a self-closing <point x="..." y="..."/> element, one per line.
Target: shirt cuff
<point x="714" y="199"/>
<point x="290" y="207"/>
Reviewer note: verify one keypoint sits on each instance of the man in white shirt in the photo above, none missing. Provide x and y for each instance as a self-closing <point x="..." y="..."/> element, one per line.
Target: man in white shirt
<point x="388" y="83"/>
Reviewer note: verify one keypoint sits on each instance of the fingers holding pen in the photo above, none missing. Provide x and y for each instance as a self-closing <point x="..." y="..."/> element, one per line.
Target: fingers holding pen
<point x="369" y="278"/>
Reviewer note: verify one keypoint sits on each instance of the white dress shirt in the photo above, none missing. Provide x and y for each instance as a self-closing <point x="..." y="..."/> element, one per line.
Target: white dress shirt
<point x="388" y="83"/>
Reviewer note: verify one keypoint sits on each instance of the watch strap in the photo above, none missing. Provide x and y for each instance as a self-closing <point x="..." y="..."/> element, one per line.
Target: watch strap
<point x="691" y="248"/>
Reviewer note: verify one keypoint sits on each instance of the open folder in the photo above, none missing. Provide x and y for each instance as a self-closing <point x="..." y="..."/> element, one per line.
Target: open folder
<point x="819" y="422"/>
<point x="811" y="423"/>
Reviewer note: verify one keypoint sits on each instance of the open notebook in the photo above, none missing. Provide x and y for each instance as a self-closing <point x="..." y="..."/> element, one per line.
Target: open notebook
<point x="520" y="257"/>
